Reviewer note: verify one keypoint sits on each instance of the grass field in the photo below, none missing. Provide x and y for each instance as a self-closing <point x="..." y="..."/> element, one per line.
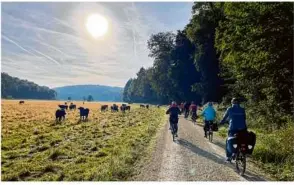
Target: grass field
<point x="107" y="147"/>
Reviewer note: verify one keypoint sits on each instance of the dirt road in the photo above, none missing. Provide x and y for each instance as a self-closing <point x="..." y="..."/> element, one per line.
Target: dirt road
<point x="192" y="158"/>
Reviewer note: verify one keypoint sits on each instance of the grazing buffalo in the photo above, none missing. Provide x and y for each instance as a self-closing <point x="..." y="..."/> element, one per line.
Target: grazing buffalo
<point x="147" y="106"/>
<point x="158" y="106"/>
<point x="114" y="108"/>
<point x="72" y="107"/>
<point x="104" y="108"/>
<point x="142" y="105"/>
<point x="63" y="107"/>
<point x="21" y="102"/>
<point x="128" y="108"/>
<point x="84" y="112"/>
<point x="60" y="114"/>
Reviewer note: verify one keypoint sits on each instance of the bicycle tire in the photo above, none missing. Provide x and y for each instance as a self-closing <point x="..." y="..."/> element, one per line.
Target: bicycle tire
<point x="210" y="136"/>
<point x="241" y="162"/>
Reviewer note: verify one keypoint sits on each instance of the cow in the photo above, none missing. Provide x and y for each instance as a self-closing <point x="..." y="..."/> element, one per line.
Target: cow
<point x="63" y="107"/>
<point x="104" y="108"/>
<point x="114" y="108"/>
<point x="60" y="115"/>
<point x="142" y="105"/>
<point x="21" y="102"/>
<point x="72" y="106"/>
<point x="147" y="106"/>
<point x="128" y="108"/>
<point x="158" y="106"/>
<point x="84" y="112"/>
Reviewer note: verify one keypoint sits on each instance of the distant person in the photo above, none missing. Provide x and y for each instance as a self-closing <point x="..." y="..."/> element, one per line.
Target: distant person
<point x="174" y="112"/>
<point x="237" y="123"/>
<point x="193" y="109"/>
<point x="209" y="115"/>
<point x="186" y="109"/>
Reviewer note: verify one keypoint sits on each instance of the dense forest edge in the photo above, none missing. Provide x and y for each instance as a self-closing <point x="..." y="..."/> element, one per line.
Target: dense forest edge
<point x="15" y="88"/>
<point x="227" y="50"/>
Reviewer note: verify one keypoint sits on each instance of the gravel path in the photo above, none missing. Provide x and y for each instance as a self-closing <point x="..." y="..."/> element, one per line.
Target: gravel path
<point x="192" y="158"/>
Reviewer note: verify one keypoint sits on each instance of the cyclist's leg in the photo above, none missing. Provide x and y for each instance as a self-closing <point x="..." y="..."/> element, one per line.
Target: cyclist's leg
<point x="205" y="128"/>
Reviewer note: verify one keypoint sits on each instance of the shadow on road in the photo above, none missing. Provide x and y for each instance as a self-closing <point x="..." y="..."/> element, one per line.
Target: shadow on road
<point x="216" y="158"/>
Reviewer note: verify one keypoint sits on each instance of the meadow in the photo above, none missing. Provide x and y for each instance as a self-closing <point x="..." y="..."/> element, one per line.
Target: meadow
<point x="109" y="146"/>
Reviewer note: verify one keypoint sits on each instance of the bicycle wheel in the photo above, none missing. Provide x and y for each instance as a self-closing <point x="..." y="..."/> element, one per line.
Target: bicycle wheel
<point x="210" y="136"/>
<point x="241" y="163"/>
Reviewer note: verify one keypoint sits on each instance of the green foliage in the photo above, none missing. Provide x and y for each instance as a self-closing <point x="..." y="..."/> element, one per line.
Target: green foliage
<point x="15" y="88"/>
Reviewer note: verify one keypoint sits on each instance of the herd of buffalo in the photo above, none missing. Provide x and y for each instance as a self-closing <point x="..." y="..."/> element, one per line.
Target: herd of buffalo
<point x="84" y="112"/>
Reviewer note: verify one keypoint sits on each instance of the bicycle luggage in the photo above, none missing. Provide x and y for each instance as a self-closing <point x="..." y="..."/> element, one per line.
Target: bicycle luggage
<point x="251" y="142"/>
<point x="214" y="127"/>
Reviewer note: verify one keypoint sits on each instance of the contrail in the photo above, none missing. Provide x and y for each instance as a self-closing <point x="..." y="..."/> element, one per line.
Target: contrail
<point x="50" y="46"/>
<point x="19" y="46"/>
<point x="48" y="57"/>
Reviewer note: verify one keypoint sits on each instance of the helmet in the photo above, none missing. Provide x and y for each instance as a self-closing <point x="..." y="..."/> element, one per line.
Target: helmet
<point x="174" y="103"/>
<point x="235" y="101"/>
<point x="209" y="103"/>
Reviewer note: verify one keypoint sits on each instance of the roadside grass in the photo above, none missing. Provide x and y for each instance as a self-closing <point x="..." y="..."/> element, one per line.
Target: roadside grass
<point x="273" y="150"/>
<point x="107" y="147"/>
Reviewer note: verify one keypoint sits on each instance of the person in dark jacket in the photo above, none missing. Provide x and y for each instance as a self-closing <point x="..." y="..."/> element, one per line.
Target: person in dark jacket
<point x="237" y="123"/>
<point x="186" y="109"/>
<point x="174" y="112"/>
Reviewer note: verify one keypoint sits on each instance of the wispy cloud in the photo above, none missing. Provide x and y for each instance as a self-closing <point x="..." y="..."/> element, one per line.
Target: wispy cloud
<point x="48" y="43"/>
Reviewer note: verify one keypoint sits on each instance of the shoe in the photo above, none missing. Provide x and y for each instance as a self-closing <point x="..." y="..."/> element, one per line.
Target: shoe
<point x="176" y="135"/>
<point x="228" y="160"/>
<point x="205" y="136"/>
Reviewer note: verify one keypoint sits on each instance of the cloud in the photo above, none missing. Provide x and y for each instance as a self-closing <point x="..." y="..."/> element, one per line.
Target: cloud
<point x="47" y="42"/>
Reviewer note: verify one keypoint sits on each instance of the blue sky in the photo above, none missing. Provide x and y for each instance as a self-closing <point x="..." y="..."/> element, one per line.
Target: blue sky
<point x="48" y="43"/>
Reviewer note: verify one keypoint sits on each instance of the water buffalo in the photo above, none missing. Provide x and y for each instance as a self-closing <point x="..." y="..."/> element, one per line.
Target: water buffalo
<point x="60" y="114"/>
<point x="147" y="106"/>
<point x="84" y="112"/>
<point x="142" y="105"/>
<point x="72" y="107"/>
<point x="104" y="108"/>
<point x="63" y="107"/>
<point x="114" y="108"/>
<point x="21" y="102"/>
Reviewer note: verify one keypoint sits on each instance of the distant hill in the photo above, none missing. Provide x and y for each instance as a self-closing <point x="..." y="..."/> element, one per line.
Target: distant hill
<point x="98" y="92"/>
<point x="15" y="88"/>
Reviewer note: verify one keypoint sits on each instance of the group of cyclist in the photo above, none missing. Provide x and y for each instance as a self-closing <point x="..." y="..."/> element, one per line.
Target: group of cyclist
<point x="235" y="114"/>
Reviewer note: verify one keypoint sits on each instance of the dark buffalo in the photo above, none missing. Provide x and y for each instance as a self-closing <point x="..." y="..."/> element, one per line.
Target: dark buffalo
<point x="72" y="107"/>
<point x="63" y="107"/>
<point x="84" y="112"/>
<point x="142" y="105"/>
<point x="147" y="106"/>
<point x="21" y="102"/>
<point x="104" y="108"/>
<point x="114" y="108"/>
<point x="128" y="108"/>
<point x="60" y="114"/>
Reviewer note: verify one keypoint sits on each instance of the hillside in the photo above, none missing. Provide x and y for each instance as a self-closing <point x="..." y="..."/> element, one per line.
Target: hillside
<point x="98" y="92"/>
<point x="15" y="88"/>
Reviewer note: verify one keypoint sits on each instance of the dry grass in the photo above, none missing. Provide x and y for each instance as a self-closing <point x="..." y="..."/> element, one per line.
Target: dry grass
<point x="107" y="147"/>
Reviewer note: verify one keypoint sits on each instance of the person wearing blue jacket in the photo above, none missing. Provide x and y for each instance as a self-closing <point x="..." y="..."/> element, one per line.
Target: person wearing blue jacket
<point x="237" y="123"/>
<point x="209" y="115"/>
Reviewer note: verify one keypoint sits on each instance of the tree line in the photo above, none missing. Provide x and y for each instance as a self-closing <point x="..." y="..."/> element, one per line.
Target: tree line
<point x="227" y="49"/>
<point x="15" y="88"/>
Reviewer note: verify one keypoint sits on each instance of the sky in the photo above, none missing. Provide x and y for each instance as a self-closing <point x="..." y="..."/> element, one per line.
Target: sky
<point x="48" y="43"/>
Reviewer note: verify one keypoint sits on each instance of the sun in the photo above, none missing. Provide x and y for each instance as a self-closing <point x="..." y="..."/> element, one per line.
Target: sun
<point x="97" y="25"/>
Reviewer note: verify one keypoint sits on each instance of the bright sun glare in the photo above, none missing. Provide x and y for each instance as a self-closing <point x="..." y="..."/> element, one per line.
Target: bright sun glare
<point x="96" y="25"/>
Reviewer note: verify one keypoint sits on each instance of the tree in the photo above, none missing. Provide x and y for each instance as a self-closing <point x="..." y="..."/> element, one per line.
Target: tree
<point x="90" y="98"/>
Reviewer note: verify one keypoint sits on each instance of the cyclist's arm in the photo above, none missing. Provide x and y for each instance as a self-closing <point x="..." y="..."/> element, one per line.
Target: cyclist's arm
<point x="225" y="117"/>
<point x="168" y="111"/>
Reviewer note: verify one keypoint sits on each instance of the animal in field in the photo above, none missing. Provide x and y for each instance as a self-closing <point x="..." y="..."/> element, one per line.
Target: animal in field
<point x="60" y="115"/>
<point x="114" y="108"/>
<point x="84" y="112"/>
<point x="63" y="106"/>
<point x="72" y="106"/>
<point x="65" y="103"/>
<point x="158" y="106"/>
<point x="147" y="106"/>
<point x="104" y="108"/>
<point x="142" y="105"/>
<point x="21" y="102"/>
<point x="128" y="108"/>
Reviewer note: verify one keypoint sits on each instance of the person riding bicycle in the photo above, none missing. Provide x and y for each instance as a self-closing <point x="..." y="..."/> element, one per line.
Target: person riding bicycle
<point x="174" y="112"/>
<point x="237" y="123"/>
<point x="193" y="109"/>
<point x="209" y="115"/>
<point x="186" y="109"/>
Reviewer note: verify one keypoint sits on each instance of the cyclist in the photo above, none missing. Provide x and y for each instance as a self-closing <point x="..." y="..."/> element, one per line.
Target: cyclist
<point x="193" y="109"/>
<point x="237" y="123"/>
<point x="186" y="108"/>
<point x="174" y="112"/>
<point x="209" y="115"/>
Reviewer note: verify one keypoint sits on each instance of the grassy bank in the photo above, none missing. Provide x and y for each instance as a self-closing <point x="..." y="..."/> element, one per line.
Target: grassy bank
<point x="107" y="147"/>
<point x="274" y="150"/>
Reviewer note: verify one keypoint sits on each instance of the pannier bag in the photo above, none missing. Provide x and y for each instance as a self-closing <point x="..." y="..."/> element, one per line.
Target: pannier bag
<point x="251" y="142"/>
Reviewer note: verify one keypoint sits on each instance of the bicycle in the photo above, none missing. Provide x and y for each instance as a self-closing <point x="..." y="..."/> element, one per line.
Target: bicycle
<point x="240" y="158"/>
<point x="209" y="132"/>
<point x="173" y="129"/>
<point x="194" y="117"/>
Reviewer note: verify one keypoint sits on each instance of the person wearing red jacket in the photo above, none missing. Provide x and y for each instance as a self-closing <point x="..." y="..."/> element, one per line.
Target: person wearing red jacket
<point x="193" y="109"/>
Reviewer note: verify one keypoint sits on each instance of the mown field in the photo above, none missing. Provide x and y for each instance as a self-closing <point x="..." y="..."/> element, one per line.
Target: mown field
<point x="107" y="147"/>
